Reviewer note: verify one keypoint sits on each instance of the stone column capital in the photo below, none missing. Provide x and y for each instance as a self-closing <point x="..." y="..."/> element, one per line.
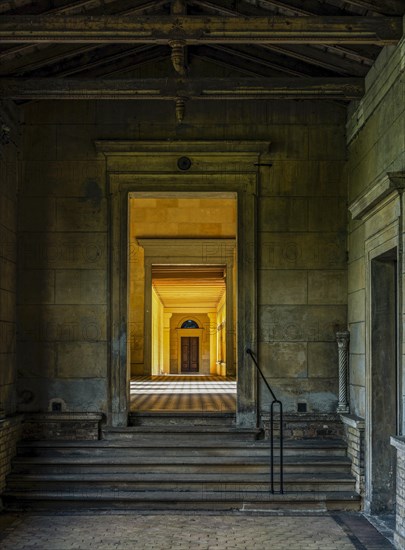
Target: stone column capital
<point x="343" y="338"/>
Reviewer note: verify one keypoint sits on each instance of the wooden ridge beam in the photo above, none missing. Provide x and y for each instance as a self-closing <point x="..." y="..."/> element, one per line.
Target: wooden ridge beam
<point x="201" y="29"/>
<point x="172" y="88"/>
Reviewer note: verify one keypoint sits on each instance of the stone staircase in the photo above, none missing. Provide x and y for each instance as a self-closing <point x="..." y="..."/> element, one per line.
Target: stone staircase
<point x="179" y="463"/>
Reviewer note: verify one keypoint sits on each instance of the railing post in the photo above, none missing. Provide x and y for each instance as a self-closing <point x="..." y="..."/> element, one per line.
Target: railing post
<point x="342" y="339"/>
<point x="281" y="435"/>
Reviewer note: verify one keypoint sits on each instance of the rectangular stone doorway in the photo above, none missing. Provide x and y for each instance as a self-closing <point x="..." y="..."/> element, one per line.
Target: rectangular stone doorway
<point x="182" y="296"/>
<point x="383" y="383"/>
<point x="151" y="169"/>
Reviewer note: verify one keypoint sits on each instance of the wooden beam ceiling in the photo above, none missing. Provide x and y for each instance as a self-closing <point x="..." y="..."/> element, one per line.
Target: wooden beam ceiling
<point x="201" y="30"/>
<point x="337" y="58"/>
<point x="167" y="88"/>
<point x="128" y="7"/>
<point x="325" y="46"/>
<point x="389" y="7"/>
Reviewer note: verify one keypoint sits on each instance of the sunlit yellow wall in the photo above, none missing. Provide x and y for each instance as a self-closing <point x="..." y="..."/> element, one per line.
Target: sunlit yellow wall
<point x="157" y="334"/>
<point x="221" y="337"/>
<point x="213" y="218"/>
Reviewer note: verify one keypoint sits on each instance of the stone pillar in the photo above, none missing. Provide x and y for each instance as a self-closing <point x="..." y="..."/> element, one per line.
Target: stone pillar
<point x="166" y="342"/>
<point x="342" y="339"/>
<point x="213" y="342"/>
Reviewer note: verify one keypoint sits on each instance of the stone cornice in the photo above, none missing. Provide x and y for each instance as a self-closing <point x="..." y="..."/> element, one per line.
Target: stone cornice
<point x="390" y="182"/>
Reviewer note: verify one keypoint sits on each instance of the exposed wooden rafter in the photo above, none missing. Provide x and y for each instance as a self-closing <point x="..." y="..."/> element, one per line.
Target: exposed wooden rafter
<point x="125" y="8"/>
<point x="200" y="30"/>
<point x="227" y="7"/>
<point x="166" y="88"/>
<point x="242" y="59"/>
<point x="89" y="60"/>
<point x="385" y="7"/>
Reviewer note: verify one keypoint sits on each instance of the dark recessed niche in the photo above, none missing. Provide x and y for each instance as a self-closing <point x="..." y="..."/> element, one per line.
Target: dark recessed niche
<point x="302" y="407"/>
<point x="184" y="163"/>
<point x="56" y="407"/>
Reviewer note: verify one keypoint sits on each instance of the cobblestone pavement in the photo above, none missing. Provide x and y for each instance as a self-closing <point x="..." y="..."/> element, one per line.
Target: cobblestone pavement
<point x="168" y="531"/>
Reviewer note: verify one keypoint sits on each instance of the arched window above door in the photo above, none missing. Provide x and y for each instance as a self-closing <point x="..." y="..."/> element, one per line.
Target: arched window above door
<point x="189" y="324"/>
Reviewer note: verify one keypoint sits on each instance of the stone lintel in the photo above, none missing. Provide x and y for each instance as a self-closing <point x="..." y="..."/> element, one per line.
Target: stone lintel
<point x="390" y="182"/>
<point x="131" y="147"/>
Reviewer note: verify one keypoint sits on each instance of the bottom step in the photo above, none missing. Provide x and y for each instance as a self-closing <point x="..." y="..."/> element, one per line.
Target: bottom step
<point x="170" y="500"/>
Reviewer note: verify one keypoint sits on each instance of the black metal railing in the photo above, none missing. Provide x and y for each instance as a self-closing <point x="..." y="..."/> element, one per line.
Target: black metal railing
<point x="275" y="403"/>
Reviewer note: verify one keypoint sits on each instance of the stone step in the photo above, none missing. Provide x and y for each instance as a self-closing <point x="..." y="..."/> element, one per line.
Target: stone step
<point x="171" y="447"/>
<point x="189" y="464"/>
<point x="182" y="500"/>
<point x="183" y="432"/>
<point x="178" y="467"/>
<point x="181" y="419"/>
<point x="240" y="481"/>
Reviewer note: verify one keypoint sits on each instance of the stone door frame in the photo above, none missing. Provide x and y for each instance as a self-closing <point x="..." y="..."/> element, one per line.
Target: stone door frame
<point x="375" y="247"/>
<point x="153" y="166"/>
<point x="189" y="252"/>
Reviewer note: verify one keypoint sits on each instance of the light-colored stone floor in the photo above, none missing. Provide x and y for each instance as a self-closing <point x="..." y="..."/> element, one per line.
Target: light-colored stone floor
<point x="136" y="531"/>
<point x="183" y="393"/>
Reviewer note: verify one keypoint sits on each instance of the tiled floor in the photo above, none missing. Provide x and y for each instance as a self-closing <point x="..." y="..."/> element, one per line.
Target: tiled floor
<point x="183" y="393"/>
<point x="136" y="531"/>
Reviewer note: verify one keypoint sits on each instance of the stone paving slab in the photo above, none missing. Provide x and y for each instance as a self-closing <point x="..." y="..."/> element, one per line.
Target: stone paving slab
<point x="197" y="531"/>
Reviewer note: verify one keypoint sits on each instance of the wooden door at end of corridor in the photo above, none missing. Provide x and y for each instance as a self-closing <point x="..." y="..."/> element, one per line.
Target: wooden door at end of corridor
<point x="189" y="354"/>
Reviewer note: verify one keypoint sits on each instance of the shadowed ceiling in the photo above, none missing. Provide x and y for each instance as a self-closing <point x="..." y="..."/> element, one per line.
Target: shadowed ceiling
<point x="307" y="47"/>
<point x="189" y="287"/>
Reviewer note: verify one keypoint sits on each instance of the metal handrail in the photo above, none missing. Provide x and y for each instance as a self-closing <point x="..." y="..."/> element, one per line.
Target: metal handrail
<point x="275" y="402"/>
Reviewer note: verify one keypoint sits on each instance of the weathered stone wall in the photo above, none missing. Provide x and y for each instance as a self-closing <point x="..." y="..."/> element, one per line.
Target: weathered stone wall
<point x="354" y="435"/>
<point x="63" y="269"/>
<point x="10" y="433"/>
<point x="376" y="145"/>
<point x="302" y="243"/>
<point x="375" y="170"/>
<point x="62" y="426"/>
<point x="305" y="426"/>
<point x="10" y="425"/>
<point x="399" y="536"/>
<point x="8" y="257"/>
